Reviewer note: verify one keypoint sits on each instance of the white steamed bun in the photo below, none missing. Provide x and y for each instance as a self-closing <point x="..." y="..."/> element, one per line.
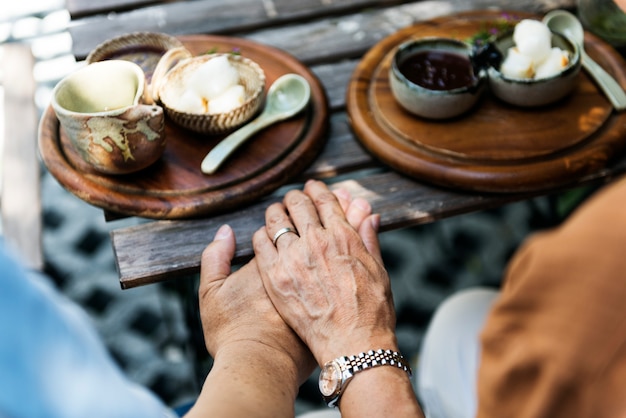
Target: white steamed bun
<point x="232" y="98"/>
<point x="213" y="77"/>
<point x="533" y="55"/>
<point x="213" y="88"/>
<point x="191" y="102"/>
<point x="554" y="64"/>
<point x="533" y="39"/>
<point x="517" y="65"/>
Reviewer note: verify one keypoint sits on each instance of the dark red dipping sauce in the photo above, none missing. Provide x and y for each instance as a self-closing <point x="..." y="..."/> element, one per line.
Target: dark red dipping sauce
<point x="438" y="70"/>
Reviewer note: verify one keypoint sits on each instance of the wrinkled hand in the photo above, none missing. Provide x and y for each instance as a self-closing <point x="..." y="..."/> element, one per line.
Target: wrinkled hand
<point x="329" y="284"/>
<point x="235" y="309"/>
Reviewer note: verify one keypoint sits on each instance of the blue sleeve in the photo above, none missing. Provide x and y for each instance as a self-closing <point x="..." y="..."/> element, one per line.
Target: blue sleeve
<point x="52" y="362"/>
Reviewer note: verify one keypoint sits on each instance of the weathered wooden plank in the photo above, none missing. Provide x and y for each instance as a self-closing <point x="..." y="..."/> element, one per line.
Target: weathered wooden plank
<point x="335" y="78"/>
<point x="162" y="250"/>
<point x="81" y="8"/>
<point x="21" y="202"/>
<point x="153" y="251"/>
<point x="206" y="16"/>
<point x="78" y="8"/>
<point x="342" y="154"/>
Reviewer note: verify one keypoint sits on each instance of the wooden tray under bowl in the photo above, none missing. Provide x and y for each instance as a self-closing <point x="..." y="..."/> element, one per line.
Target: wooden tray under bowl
<point x="175" y="187"/>
<point x="495" y="147"/>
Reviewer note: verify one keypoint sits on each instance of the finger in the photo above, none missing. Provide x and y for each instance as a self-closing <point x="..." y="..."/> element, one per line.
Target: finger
<point x="343" y="197"/>
<point x="326" y="204"/>
<point x="265" y="253"/>
<point x="368" y="231"/>
<point x="358" y="210"/>
<point x="217" y="256"/>
<point x="276" y="220"/>
<point x="302" y="211"/>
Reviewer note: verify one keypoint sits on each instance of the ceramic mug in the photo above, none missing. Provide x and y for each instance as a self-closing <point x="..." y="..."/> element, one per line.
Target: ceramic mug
<point x="102" y="109"/>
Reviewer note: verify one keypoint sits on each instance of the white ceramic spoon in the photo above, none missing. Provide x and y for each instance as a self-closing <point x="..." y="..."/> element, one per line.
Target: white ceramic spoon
<point x="287" y="96"/>
<point x="567" y="24"/>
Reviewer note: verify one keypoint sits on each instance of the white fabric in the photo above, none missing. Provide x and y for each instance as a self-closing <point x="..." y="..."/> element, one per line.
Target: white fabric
<point x="52" y="362"/>
<point x="450" y="353"/>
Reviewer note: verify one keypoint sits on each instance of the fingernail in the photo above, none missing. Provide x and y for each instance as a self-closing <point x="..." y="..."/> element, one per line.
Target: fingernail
<point x="222" y="233"/>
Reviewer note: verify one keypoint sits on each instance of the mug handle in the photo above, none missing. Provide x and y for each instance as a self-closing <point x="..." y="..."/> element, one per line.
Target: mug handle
<point x="168" y="61"/>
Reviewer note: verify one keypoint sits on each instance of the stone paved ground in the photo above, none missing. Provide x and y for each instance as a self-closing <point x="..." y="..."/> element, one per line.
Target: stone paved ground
<point x="152" y="331"/>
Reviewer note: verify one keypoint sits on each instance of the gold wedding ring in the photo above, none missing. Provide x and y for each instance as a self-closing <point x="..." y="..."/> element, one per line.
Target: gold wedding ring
<point x="283" y="231"/>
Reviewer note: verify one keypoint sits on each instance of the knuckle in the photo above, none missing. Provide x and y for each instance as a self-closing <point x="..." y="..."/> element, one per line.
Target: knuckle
<point x="325" y="197"/>
<point x="295" y="198"/>
<point x="275" y="214"/>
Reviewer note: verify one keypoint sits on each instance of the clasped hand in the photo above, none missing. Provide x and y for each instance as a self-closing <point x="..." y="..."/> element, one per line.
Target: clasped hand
<point x="323" y="289"/>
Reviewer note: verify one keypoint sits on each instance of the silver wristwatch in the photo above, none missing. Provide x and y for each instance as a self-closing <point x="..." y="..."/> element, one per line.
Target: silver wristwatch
<point x="336" y="374"/>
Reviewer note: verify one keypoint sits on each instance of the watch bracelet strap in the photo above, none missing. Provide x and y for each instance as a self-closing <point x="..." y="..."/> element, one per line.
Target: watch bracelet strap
<point x="375" y="358"/>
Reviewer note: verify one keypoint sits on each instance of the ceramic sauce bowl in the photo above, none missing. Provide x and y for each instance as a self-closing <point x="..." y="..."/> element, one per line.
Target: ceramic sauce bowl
<point x="101" y="110"/>
<point x="434" y="78"/>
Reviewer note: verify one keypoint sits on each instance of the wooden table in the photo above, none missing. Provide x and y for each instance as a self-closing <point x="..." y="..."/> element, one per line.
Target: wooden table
<point x="330" y="36"/>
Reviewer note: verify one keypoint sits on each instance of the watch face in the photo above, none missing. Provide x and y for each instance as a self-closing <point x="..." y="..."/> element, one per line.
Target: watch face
<point x="330" y="379"/>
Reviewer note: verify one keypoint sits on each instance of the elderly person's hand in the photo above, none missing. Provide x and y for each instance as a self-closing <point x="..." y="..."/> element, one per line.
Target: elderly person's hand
<point x="259" y="360"/>
<point x="328" y="283"/>
<point x="235" y="307"/>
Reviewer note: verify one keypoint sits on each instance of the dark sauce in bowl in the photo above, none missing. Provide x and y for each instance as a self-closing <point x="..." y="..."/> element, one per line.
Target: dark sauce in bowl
<point x="438" y="70"/>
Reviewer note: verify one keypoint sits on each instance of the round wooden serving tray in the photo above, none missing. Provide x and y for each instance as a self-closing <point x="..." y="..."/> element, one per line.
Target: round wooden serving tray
<point x="495" y="147"/>
<point x="174" y="187"/>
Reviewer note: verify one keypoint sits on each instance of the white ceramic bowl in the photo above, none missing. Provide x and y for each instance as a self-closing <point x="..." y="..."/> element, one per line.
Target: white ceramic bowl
<point x="438" y="102"/>
<point x="526" y="92"/>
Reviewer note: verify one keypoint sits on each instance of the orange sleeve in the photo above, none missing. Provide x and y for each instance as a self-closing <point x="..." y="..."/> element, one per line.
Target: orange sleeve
<point x="554" y="344"/>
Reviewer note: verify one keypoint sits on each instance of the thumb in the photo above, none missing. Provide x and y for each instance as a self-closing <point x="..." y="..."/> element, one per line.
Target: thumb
<point x="217" y="256"/>
<point x="368" y="231"/>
